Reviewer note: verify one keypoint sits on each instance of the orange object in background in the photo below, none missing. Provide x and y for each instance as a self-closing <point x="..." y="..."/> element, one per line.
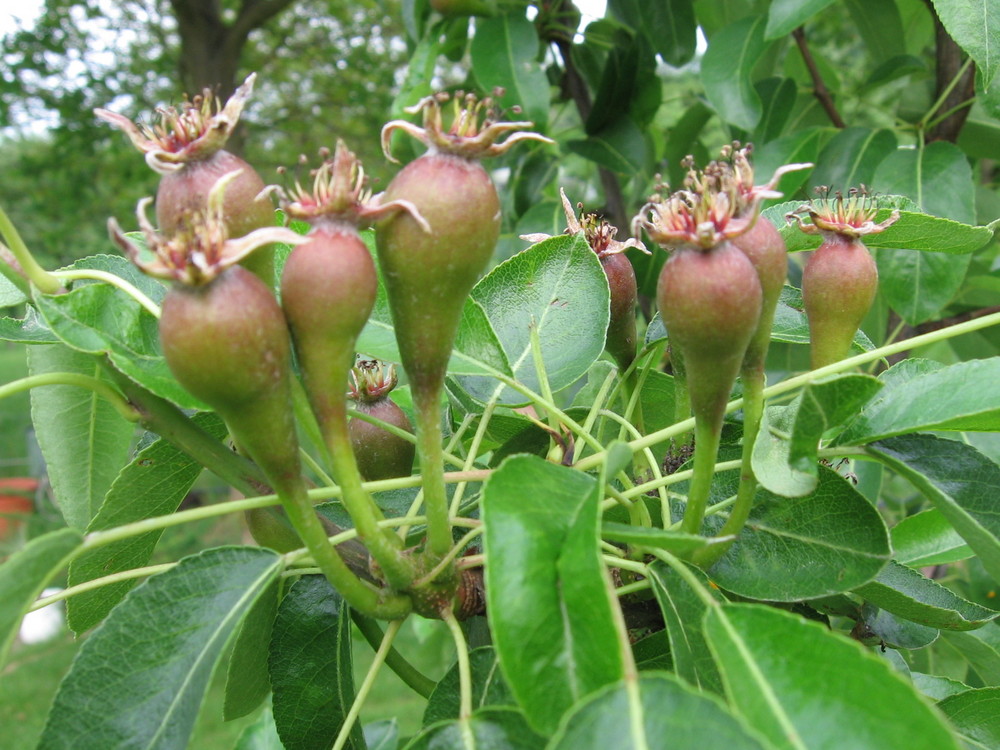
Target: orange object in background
<point x="15" y="503"/>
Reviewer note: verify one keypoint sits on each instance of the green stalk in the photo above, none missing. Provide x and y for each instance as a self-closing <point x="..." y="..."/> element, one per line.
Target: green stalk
<point x="98" y="386"/>
<point x="383" y="545"/>
<point x="37" y="275"/>
<point x="707" y="434"/>
<point x="431" y="455"/>
<point x="413" y="677"/>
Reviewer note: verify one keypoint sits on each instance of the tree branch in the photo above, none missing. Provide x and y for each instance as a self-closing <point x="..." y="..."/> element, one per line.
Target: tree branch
<point x="254" y="14"/>
<point x="820" y="90"/>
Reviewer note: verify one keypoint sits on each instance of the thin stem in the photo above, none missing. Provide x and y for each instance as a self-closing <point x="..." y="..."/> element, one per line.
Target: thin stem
<point x="471" y="561"/>
<point x="115" y="281"/>
<point x="682" y="569"/>
<point x="37" y="275"/>
<point x="464" y="668"/>
<point x="98" y="386"/>
<point x="96" y="583"/>
<point x="409" y="674"/>
<point x="447" y="559"/>
<point x="706" y="449"/>
<point x="470" y="460"/>
<point x="677" y="477"/>
<point x="429" y="449"/>
<point x="943" y="96"/>
<point x="595" y="409"/>
<point x="314" y="466"/>
<point x="651" y="462"/>
<point x="366" y="685"/>
<point x="819" y="87"/>
<point x="620" y="562"/>
<point x="633" y="588"/>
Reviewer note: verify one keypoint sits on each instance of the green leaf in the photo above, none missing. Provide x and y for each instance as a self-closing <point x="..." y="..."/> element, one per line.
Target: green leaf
<point x="675" y="542"/>
<point x="658" y="713"/>
<point x="851" y="157"/>
<point x="261" y="735"/>
<point x="958" y="480"/>
<point x="936" y="687"/>
<point x="617" y="87"/>
<point x="247" y="680"/>
<point x="804" y="687"/>
<point x="880" y="26"/>
<point x="24" y="574"/>
<point x="906" y="593"/>
<point x="926" y="538"/>
<point x="803" y="548"/>
<point x="311" y="667"/>
<point x="83" y="439"/>
<point x="504" y="54"/>
<point x="382" y="735"/>
<point x="547" y="594"/>
<point x="975" y="714"/>
<point x="975" y="25"/>
<point x="488" y="688"/>
<point x="982" y="650"/>
<point x="726" y="70"/>
<point x="477" y="350"/>
<point x="10" y="295"/>
<point x="140" y="678"/>
<point x="30" y="329"/>
<point x="500" y="728"/>
<point x="785" y="16"/>
<point x="620" y="147"/>
<point x="778" y="97"/>
<point x="683" y="612"/>
<point x="99" y="319"/>
<point x="558" y="287"/>
<point x="895" y="632"/>
<point x="921" y="395"/>
<point x="791" y="325"/>
<point x="672" y="29"/>
<point x="153" y="484"/>
<point x="939" y="180"/>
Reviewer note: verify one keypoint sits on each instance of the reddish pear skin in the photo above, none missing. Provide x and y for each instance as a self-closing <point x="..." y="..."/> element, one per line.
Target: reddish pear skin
<point x="328" y="289"/>
<point x="428" y="275"/>
<point x="839" y="284"/>
<point x="227" y="343"/>
<point x="621" y="340"/>
<point x="710" y="302"/>
<point x="380" y="454"/>
<point x="766" y="250"/>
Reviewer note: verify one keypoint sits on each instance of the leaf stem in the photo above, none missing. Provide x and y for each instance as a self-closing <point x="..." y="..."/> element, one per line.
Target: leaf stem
<point x="409" y="674"/>
<point x="100" y="387"/>
<point x="37" y="275"/>
<point x="464" y="670"/>
<point x="470" y="459"/>
<point x="96" y="583"/>
<point x="366" y="685"/>
<point x="116" y="281"/>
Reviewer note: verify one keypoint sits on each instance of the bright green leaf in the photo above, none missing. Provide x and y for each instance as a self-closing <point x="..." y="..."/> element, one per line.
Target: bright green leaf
<point x="926" y="538"/>
<point x="140" y="678"/>
<point x="726" y="70"/>
<point x="547" y="595"/>
<point x="83" y="438"/>
<point x="785" y="16"/>
<point x="804" y="687"/>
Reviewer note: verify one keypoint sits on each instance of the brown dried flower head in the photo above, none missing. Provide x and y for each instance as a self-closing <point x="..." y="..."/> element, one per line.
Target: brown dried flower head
<point x="832" y="213"/>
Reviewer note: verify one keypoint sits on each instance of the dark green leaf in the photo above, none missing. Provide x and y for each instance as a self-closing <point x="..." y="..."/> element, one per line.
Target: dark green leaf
<point x="311" y="667"/>
<point x="926" y="538"/>
<point x="504" y="54"/>
<point x="653" y="652"/>
<point x="958" y="480"/>
<point x="778" y="98"/>
<point x="557" y="287"/>
<point x="658" y="713"/>
<point x="683" y="613"/>
<point x="83" y="439"/>
<point x="919" y="395"/>
<point x="936" y="687"/>
<point x="906" y="593"/>
<point x="726" y="70"/>
<point x="140" y="678"/>
<point x="617" y="87"/>
<point x="247" y="680"/>
<point x="802" y="686"/>
<point x="24" y="574"/>
<point x="488" y="688"/>
<point x="798" y="147"/>
<point x="851" y="157"/>
<point x="153" y="484"/>
<point x="892" y="70"/>
<point x="880" y="25"/>
<point x="785" y="16"/>
<point x="802" y="548"/>
<point x="487" y="729"/>
<point x="547" y="592"/>
<point x="975" y="714"/>
<point x="620" y="147"/>
<point x="672" y="29"/>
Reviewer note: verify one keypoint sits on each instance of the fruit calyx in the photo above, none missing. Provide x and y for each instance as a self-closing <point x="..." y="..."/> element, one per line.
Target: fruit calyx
<point x="474" y="128"/>
<point x="371" y="381"/>
<point x="340" y="193"/>
<point x="734" y="169"/>
<point x="200" y="249"/>
<point x="195" y="130"/>
<point x="600" y="235"/>
<point x="853" y="216"/>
